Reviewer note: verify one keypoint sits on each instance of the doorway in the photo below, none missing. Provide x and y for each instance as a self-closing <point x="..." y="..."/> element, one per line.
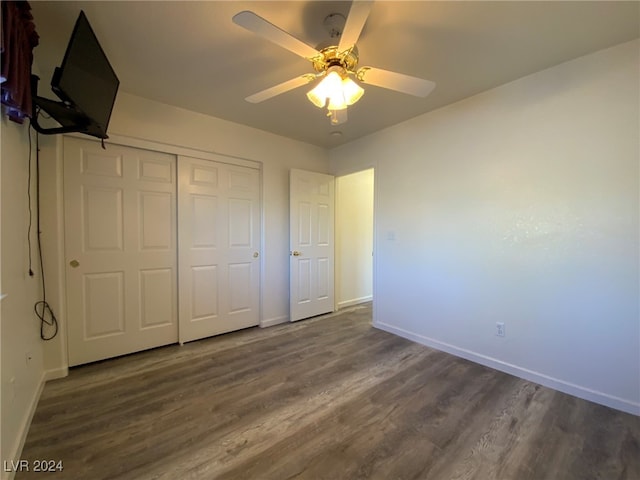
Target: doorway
<point x="354" y="238"/>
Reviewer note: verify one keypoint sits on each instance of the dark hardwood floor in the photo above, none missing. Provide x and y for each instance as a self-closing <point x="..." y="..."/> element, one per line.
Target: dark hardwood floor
<point x="326" y="398"/>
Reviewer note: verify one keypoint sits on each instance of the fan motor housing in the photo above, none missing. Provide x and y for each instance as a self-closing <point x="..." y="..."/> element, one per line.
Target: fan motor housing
<point x="331" y="57"/>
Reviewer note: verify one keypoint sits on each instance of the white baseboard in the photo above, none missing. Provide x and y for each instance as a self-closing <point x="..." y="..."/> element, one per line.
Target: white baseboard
<point x="354" y="301"/>
<point x="585" y="393"/>
<point x="270" y="322"/>
<point x="56" y="373"/>
<point x="16" y="450"/>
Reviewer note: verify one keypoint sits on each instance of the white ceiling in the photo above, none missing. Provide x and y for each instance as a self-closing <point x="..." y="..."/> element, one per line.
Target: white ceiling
<point x="190" y="54"/>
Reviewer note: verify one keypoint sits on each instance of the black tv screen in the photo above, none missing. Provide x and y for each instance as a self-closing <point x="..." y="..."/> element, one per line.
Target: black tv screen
<point x="85" y="80"/>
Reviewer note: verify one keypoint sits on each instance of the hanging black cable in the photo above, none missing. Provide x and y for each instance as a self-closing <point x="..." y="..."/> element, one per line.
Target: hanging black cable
<point x="29" y="204"/>
<point x="42" y="308"/>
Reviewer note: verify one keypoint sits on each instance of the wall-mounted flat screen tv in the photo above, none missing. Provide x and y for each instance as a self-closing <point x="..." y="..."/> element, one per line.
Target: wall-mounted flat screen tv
<point x="85" y="81"/>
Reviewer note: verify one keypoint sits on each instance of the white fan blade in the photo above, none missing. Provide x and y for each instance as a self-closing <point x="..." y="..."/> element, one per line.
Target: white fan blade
<point x="356" y="19"/>
<point x="265" y="29"/>
<point x="395" y="81"/>
<point x="280" y="88"/>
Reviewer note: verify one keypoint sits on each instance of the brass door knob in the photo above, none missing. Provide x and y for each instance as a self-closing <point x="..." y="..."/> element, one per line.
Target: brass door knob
<point x="256" y="254"/>
<point x="74" y="263"/>
<point x="296" y="253"/>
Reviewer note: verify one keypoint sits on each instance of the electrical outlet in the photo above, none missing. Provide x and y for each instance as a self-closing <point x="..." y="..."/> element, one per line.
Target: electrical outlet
<point x="500" y="329"/>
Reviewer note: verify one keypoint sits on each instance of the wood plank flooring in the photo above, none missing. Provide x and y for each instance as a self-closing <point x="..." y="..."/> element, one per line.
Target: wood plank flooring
<point x="325" y="398"/>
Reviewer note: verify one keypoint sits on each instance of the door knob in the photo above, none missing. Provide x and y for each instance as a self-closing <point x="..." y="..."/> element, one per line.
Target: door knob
<point x="296" y="253"/>
<point x="74" y="263"/>
<point x="255" y="254"/>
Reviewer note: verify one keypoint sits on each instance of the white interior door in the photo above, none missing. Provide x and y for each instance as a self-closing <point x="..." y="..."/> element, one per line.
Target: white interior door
<point x="311" y="234"/>
<point x="120" y="249"/>
<point x="219" y="236"/>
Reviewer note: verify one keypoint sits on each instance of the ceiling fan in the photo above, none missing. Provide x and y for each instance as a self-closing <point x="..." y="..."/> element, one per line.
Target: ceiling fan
<point x="335" y="64"/>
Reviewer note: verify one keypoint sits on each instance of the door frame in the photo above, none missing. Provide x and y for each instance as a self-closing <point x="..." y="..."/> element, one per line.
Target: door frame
<point x="52" y="166"/>
<point x="337" y="176"/>
<point x="339" y="255"/>
<point x="349" y="171"/>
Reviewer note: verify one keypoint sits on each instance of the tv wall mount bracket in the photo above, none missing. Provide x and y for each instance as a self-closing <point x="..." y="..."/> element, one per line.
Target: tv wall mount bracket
<point x="70" y="119"/>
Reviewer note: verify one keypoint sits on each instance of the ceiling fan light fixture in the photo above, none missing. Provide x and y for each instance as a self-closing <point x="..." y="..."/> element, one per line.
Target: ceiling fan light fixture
<point x="328" y="89"/>
<point x="335" y="91"/>
<point x="337" y="101"/>
<point x="316" y="99"/>
<point x="334" y="64"/>
<point x="352" y="91"/>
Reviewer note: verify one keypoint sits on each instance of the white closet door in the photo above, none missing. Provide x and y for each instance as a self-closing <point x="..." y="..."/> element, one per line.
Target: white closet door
<point x="311" y="232"/>
<point x="219" y="237"/>
<point x="120" y="249"/>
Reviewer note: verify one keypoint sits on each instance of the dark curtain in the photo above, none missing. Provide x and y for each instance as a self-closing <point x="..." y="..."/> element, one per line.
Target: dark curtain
<point x="19" y="37"/>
